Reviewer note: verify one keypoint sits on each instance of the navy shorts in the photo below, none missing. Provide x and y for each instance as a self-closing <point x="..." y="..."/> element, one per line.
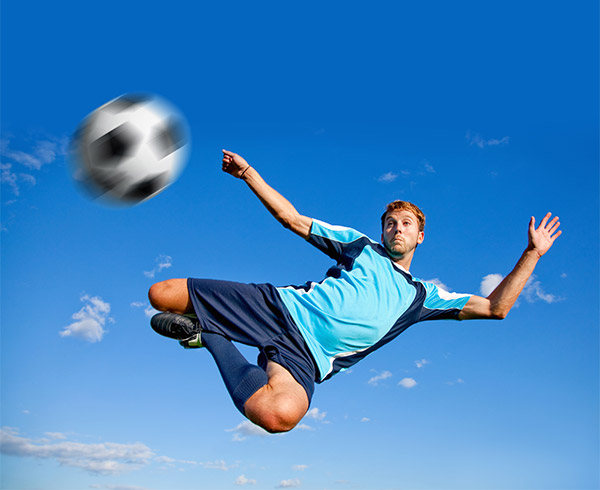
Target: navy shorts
<point x="253" y="314"/>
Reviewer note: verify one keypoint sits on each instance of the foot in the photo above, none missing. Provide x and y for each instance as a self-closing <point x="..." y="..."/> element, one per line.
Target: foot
<point x="186" y="329"/>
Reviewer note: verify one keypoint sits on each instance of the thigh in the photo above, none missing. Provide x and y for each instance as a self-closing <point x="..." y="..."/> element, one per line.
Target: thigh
<point x="171" y="295"/>
<point x="240" y="312"/>
<point x="282" y="382"/>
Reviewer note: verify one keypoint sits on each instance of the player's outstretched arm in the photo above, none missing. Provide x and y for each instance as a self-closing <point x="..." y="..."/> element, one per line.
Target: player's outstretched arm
<point x="278" y="206"/>
<point x="501" y="300"/>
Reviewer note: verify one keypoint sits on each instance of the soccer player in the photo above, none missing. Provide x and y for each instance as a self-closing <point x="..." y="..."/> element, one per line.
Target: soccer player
<point x="306" y="334"/>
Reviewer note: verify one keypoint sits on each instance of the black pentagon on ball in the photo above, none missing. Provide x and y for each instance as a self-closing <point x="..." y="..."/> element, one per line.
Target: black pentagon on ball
<point x="168" y="138"/>
<point x="147" y="187"/>
<point x="121" y="142"/>
<point x="126" y="101"/>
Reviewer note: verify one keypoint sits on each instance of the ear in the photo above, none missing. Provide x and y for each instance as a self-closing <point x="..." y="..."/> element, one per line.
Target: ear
<point x="420" y="237"/>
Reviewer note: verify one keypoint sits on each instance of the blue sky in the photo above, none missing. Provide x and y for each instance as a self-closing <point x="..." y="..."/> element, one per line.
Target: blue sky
<point x="482" y="113"/>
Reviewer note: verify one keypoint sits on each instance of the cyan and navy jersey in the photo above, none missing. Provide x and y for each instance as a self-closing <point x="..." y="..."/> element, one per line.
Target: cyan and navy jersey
<point x="364" y="302"/>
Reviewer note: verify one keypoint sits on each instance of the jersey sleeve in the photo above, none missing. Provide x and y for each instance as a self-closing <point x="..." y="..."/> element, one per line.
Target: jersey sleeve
<point x="333" y="240"/>
<point x="440" y="304"/>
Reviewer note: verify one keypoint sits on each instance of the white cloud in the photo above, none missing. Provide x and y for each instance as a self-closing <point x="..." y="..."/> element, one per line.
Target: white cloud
<point x="422" y="363"/>
<point x="90" y="320"/>
<point x="213" y="465"/>
<point x="119" y="487"/>
<point x="162" y="262"/>
<point x="304" y="427"/>
<point x="245" y="429"/>
<point x="242" y="481"/>
<point x="533" y="291"/>
<point x="457" y="381"/>
<point x="407" y="383"/>
<point x="365" y="419"/>
<point x="149" y="311"/>
<point x="438" y="283"/>
<point x="380" y="377"/>
<point x="489" y="283"/>
<point x="44" y="152"/>
<point x="55" y="435"/>
<point x="429" y="168"/>
<point x="563" y="275"/>
<point x="299" y="467"/>
<point x="106" y="458"/>
<point x="13" y="179"/>
<point x="387" y="177"/>
<point x="477" y="140"/>
<point x="293" y="483"/>
<point x="316" y="414"/>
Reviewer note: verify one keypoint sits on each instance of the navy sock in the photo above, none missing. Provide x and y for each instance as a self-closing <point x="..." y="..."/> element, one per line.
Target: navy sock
<point x="241" y="378"/>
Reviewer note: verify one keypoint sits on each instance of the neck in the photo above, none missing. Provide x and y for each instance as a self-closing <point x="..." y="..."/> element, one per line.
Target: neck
<point x="402" y="260"/>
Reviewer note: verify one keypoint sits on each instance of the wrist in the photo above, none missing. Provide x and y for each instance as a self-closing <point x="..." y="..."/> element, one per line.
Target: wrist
<point x="532" y="252"/>
<point x="244" y="172"/>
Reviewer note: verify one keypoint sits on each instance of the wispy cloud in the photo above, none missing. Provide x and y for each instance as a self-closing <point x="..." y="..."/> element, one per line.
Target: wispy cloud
<point x="407" y="383"/>
<point x="16" y="165"/>
<point x="55" y="435"/>
<point x="162" y="262"/>
<point x="489" y="283"/>
<point x="387" y="177"/>
<point x="218" y="464"/>
<point x="106" y="458"/>
<point x="243" y="481"/>
<point x="458" y="381"/>
<point x="292" y="483"/>
<point x="422" y="363"/>
<point x="380" y="377"/>
<point x="149" y="311"/>
<point x="299" y="467"/>
<point x="533" y="292"/>
<point x="428" y="167"/>
<point x="365" y="419"/>
<point x="247" y="429"/>
<point x="475" y="139"/>
<point x="90" y="320"/>
<point x="118" y="487"/>
<point x="438" y="283"/>
<point x="316" y="414"/>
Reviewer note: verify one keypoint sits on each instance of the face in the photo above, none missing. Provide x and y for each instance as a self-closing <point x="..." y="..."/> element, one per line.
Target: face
<point x="401" y="233"/>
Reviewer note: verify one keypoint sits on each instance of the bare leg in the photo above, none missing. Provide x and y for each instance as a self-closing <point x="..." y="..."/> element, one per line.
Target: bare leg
<point x="171" y="295"/>
<point x="280" y="404"/>
<point x="277" y="406"/>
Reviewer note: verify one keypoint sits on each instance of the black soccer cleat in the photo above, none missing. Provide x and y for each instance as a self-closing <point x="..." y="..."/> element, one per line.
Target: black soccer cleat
<point x="179" y="327"/>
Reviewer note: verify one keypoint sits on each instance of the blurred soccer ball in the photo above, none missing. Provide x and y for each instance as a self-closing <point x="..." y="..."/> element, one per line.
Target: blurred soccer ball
<point x="130" y="149"/>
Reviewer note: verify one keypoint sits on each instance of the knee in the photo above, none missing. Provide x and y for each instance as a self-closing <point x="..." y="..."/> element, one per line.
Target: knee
<point x="280" y="417"/>
<point x="156" y="295"/>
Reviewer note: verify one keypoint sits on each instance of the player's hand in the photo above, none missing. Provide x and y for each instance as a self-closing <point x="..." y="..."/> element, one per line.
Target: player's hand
<point x="542" y="238"/>
<point x="234" y="164"/>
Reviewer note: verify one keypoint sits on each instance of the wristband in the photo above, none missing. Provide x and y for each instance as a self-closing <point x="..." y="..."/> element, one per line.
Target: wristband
<point x="245" y="170"/>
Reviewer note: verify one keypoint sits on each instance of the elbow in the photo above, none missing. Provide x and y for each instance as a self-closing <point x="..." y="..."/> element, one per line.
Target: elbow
<point x="286" y="220"/>
<point x="498" y="314"/>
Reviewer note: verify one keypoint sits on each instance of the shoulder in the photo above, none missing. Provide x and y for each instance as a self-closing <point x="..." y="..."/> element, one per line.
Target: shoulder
<point x="338" y="233"/>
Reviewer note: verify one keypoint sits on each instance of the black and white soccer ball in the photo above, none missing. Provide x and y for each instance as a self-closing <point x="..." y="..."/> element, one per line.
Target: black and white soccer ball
<point x="130" y="149"/>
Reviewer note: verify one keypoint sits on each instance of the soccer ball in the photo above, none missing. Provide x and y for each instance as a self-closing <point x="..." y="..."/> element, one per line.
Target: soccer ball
<point x="130" y="149"/>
